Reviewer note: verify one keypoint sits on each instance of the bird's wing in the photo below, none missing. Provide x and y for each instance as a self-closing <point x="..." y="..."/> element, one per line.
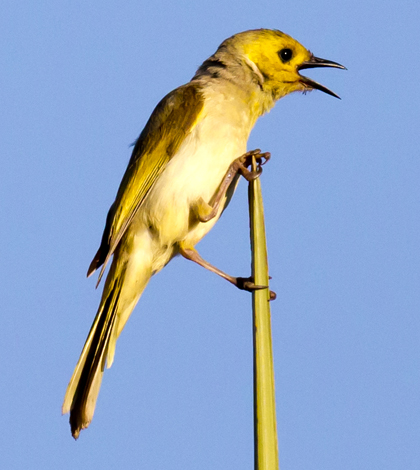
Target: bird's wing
<point x="171" y="121"/>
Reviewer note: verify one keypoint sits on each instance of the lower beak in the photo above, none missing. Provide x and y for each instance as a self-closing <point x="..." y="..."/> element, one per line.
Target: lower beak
<point x="315" y="62"/>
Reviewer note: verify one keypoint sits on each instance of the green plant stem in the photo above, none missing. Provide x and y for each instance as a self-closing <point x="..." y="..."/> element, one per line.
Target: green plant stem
<point x="265" y="427"/>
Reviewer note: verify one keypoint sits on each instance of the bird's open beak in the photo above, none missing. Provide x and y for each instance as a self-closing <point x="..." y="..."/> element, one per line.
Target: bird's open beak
<point x="312" y="63"/>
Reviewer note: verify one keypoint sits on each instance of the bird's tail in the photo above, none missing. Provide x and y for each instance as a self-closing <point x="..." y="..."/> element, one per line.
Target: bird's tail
<point x="115" y="308"/>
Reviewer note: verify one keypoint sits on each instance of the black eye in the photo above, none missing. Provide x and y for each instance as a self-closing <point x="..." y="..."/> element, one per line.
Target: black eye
<point x="285" y="55"/>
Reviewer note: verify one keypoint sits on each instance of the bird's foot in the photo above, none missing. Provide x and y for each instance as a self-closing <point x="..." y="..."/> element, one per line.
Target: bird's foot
<point x="247" y="283"/>
<point x="246" y="160"/>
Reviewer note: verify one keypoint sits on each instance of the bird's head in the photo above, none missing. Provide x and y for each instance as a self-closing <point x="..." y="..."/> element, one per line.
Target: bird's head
<point x="276" y="60"/>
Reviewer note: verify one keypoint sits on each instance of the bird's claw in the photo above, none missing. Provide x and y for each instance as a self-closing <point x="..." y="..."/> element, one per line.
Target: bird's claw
<point x="247" y="161"/>
<point x="247" y="283"/>
<point x="260" y="157"/>
<point x="252" y="175"/>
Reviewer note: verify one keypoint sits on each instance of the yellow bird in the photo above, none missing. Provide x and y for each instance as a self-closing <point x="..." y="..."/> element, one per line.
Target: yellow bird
<point x="182" y="173"/>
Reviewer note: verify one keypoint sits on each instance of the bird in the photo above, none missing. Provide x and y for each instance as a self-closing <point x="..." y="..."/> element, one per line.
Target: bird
<point x="181" y="176"/>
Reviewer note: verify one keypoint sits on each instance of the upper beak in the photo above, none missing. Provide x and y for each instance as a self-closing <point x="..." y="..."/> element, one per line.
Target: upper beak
<point x="312" y="63"/>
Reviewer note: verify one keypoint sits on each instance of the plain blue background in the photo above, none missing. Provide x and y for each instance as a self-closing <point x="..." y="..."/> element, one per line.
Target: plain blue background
<point x="78" y="81"/>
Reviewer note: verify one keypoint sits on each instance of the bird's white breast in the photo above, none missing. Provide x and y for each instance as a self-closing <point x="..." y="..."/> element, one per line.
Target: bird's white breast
<point x="195" y="172"/>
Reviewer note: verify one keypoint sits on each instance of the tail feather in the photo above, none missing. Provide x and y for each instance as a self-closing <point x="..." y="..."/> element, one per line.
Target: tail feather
<point x="131" y="270"/>
<point x="83" y="389"/>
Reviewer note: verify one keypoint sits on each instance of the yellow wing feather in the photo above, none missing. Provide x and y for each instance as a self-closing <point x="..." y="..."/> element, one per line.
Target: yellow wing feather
<point x="171" y="121"/>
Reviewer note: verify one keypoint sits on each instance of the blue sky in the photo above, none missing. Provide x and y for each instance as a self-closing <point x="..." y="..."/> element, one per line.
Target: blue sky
<point x="78" y="81"/>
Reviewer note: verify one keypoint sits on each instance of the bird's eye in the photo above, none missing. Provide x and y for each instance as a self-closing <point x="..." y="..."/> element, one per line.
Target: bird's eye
<point x="285" y="55"/>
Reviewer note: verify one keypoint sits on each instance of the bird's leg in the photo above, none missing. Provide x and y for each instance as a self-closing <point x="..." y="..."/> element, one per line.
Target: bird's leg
<point x="243" y="283"/>
<point x="205" y="211"/>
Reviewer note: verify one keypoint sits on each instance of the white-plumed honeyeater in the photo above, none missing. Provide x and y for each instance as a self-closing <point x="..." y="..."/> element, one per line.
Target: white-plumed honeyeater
<point x="182" y="173"/>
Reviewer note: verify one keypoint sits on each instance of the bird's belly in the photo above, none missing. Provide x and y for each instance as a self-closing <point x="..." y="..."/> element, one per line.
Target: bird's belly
<point x="195" y="172"/>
